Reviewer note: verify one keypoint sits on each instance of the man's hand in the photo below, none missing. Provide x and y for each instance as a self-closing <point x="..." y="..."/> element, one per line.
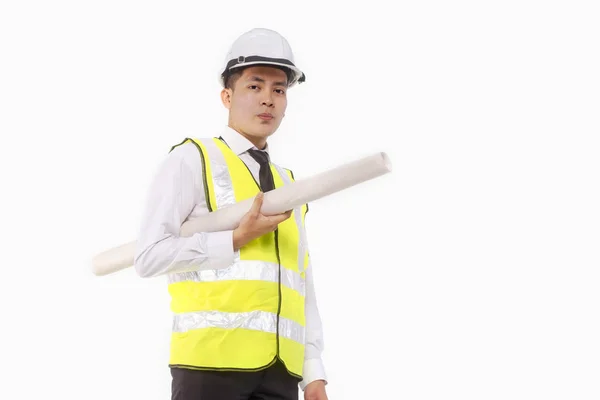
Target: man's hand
<point x="315" y="391"/>
<point x="254" y="224"/>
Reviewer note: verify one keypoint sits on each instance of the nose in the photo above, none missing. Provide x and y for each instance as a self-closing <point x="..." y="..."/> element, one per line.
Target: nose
<point x="267" y="99"/>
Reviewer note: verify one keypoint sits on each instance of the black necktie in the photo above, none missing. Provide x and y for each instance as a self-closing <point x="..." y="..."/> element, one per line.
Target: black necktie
<point x="265" y="174"/>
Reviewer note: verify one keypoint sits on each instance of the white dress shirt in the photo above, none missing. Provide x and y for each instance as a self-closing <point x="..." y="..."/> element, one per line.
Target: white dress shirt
<point x="176" y="194"/>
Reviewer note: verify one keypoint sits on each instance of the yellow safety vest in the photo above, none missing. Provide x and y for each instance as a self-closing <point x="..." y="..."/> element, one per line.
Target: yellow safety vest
<point x="248" y="315"/>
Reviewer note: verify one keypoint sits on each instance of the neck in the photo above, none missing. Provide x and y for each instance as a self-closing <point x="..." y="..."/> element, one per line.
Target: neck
<point x="259" y="142"/>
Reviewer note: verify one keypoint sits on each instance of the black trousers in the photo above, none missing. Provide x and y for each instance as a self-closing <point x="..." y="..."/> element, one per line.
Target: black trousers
<point x="273" y="383"/>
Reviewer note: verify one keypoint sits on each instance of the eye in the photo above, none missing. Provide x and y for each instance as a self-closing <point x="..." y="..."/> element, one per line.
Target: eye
<point x="253" y="87"/>
<point x="280" y="91"/>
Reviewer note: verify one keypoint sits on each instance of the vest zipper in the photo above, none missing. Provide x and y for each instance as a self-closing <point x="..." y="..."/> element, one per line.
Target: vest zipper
<point x="278" y="286"/>
<point x="276" y="232"/>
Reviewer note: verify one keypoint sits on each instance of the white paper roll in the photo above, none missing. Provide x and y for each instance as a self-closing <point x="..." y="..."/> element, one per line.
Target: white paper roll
<point x="274" y="202"/>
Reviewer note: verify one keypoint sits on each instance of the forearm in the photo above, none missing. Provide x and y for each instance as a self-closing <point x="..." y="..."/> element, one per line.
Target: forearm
<point x="314" y="368"/>
<point x="171" y="254"/>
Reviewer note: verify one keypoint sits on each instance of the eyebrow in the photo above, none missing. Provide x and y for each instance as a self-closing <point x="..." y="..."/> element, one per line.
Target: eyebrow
<point x="258" y="79"/>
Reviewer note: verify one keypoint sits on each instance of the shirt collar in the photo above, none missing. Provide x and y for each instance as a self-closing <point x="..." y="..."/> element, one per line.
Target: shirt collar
<point x="237" y="142"/>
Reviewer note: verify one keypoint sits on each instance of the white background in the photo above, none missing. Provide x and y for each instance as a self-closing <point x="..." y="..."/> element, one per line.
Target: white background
<point x="469" y="272"/>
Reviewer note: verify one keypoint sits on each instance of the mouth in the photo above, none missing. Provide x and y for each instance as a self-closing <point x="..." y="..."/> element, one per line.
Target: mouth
<point x="265" y="116"/>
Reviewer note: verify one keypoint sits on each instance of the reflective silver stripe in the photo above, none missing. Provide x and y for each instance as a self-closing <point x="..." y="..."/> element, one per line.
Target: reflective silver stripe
<point x="245" y="270"/>
<point x="254" y="320"/>
<point x="302" y="244"/>
<point x="223" y="185"/>
<point x="291" y="330"/>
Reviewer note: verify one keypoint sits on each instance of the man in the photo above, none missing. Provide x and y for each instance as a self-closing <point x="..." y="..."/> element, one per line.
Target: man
<point x="246" y="323"/>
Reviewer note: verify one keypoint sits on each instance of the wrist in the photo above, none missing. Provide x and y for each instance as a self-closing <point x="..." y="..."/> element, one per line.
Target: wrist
<point x="239" y="239"/>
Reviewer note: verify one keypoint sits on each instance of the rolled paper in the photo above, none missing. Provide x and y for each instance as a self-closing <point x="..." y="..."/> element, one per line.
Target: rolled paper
<point x="275" y="201"/>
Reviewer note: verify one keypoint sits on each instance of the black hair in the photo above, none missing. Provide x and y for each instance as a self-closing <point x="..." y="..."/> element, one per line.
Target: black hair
<point x="230" y="77"/>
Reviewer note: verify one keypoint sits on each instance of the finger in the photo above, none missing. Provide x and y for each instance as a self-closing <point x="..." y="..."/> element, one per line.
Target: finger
<point x="278" y="218"/>
<point x="257" y="204"/>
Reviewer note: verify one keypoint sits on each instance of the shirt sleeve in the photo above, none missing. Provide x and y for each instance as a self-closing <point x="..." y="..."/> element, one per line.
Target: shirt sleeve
<point x="313" y="363"/>
<point x="174" y="191"/>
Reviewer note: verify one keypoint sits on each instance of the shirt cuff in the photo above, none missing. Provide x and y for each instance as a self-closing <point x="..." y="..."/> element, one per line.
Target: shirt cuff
<point x="313" y="370"/>
<point x="219" y="247"/>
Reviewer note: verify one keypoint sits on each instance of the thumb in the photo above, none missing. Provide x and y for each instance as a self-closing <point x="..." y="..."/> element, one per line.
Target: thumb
<point x="257" y="204"/>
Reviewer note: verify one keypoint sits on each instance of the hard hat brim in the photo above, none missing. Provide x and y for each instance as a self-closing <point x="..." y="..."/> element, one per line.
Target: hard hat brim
<point x="250" y="61"/>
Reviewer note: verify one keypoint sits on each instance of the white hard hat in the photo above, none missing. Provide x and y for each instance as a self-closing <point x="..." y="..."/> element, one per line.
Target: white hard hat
<point x="265" y="47"/>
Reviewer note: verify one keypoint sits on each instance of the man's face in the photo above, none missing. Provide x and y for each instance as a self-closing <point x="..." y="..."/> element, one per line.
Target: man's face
<point x="257" y="103"/>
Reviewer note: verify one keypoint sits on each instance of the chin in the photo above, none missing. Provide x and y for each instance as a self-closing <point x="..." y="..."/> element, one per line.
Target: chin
<point x="265" y="130"/>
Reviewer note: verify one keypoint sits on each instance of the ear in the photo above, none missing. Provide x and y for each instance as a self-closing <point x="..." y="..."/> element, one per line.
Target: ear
<point x="226" y="98"/>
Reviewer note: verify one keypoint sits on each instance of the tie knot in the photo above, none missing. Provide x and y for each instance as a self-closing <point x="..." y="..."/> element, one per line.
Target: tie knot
<point x="262" y="157"/>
